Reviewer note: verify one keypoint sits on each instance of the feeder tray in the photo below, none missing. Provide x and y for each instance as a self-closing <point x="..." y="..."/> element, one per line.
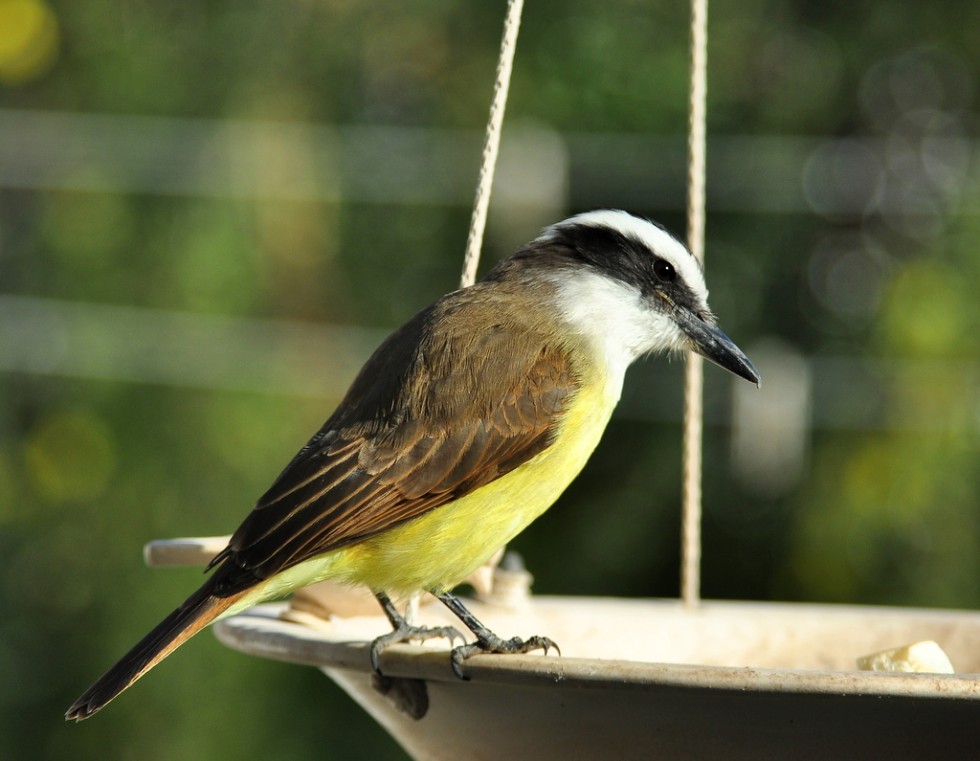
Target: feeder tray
<point x="644" y="679"/>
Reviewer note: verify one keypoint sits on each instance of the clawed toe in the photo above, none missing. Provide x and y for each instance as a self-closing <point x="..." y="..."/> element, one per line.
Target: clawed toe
<point x="538" y="643"/>
<point x="408" y="633"/>
<point x="515" y="645"/>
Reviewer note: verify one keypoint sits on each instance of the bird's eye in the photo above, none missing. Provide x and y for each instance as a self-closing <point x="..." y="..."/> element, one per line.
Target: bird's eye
<point x="664" y="270"/>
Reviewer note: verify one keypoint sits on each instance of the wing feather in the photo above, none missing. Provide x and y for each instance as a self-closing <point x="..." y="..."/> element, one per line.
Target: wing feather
<point x="420" y="427"/>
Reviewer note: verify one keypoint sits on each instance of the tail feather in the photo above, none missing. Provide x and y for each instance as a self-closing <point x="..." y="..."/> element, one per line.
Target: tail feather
<point x="186" y="621"/>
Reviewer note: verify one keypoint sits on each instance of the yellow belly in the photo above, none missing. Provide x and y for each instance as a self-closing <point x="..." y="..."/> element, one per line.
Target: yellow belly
<point x="439" y="549"/>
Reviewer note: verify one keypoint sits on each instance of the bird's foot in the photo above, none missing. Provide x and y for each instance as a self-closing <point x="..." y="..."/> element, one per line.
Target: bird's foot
<point x="494" y="644"/>
<point x="405" y="633"/>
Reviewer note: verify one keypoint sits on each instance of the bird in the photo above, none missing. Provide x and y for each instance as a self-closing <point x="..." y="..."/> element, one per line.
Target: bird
<point x="464" y="426"/>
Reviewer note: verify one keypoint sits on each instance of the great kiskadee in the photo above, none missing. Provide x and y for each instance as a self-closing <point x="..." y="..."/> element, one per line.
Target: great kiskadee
<point x="463" y="427"/>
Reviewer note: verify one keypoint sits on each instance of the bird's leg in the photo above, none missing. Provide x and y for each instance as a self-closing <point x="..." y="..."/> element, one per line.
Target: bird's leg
<point x="486" y="640"/>
<point x="402" y="631"/>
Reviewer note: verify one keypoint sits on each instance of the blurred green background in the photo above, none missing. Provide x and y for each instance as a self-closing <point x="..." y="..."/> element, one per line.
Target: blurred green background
<point x="211" y="212"/>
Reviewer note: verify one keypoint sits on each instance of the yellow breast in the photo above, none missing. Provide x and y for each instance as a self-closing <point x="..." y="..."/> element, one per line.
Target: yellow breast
<point x="439" y="549"/>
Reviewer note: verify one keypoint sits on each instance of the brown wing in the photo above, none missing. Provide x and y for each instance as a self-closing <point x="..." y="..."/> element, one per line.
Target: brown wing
<point x="462" y="394"/>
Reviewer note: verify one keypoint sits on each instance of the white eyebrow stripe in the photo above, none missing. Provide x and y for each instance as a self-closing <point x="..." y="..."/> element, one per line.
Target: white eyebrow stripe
<point x="655" y="238"/>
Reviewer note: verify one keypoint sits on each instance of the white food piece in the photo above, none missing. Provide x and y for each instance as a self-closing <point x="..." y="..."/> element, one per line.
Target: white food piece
<point x="920" y="657"/>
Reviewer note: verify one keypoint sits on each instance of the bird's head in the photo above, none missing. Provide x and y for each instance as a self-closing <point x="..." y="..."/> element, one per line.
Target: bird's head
<point x="630" y="286"/>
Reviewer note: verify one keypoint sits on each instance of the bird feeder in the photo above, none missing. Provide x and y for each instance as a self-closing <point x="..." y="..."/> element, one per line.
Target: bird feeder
<point x="639" y="679"/>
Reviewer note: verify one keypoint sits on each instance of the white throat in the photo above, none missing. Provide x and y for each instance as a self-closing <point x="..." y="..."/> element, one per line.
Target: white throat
<point x="613" y="319"/>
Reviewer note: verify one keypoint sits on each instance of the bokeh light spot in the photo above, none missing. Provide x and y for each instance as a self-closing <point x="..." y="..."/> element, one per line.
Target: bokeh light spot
<point x="70" y="456"/>
<point x="28" y="40"/>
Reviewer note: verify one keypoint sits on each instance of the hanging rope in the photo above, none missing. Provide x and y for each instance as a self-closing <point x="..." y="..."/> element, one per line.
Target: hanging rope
<point x="694" y="377"/>
<point x="491" y="143"/>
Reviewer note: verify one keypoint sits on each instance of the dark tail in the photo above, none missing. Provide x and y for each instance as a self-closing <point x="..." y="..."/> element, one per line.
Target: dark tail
<point x="197" y="612"/>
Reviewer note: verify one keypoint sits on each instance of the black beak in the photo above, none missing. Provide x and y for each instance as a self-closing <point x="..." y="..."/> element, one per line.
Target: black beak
<point x="711" y="343"/>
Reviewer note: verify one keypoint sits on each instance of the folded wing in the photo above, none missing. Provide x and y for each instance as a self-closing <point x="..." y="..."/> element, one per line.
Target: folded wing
<point x="445" y="406"/>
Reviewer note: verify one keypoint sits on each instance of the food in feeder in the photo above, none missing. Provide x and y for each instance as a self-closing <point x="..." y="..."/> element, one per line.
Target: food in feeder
<point x="920" y="657"/>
